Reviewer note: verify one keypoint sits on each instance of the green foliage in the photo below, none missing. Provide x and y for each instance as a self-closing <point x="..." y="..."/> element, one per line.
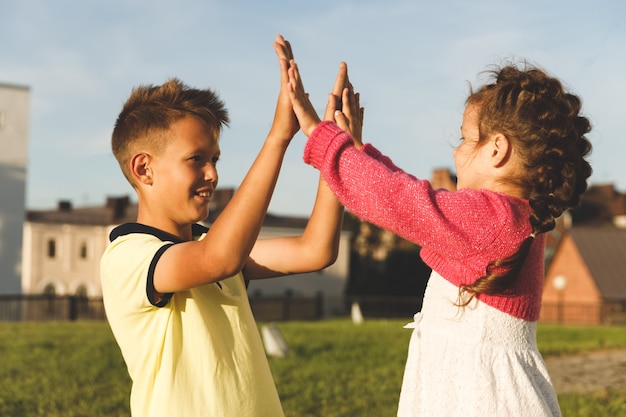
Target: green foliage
<point x="383" y="266"/>
<point x="334" y="369"/>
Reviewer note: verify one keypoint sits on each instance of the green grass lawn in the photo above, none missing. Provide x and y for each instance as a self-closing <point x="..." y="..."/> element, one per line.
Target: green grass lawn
<point x="334" y="369"/>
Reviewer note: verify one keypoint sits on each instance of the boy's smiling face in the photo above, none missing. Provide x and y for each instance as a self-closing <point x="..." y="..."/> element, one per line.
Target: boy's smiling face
<point x="184" y="174"/>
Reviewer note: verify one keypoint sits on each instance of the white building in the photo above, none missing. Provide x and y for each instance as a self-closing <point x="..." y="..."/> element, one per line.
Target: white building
<point x="330" y="283"/>
<point x="63" y="246"/>
<point x="14" y="120"/>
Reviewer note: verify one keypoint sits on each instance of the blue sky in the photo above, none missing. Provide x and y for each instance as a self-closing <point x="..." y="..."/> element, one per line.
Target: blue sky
<point x="411" y="60"/>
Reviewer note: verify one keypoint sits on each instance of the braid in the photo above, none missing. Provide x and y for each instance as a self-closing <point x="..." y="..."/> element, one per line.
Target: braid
<point x="544" y="125"/>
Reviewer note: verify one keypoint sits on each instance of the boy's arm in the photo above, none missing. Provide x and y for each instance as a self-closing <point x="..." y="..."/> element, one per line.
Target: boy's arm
<point x="318" y="246"/>
<point x="315" y="249"/>
<point x="227" y="245"/>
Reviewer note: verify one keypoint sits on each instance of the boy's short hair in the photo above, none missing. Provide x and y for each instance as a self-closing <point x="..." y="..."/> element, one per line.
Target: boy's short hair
<point x="151" y="110"/>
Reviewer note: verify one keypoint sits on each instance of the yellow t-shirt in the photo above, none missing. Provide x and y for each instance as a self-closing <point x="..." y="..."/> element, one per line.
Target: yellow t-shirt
<point x="197" y="353"/>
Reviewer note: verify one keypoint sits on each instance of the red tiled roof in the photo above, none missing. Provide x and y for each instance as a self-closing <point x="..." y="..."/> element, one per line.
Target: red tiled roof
<point x="604" y="251"/>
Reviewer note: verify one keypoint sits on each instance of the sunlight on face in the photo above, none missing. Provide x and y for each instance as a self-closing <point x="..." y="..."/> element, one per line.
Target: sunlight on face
<point x="465" y="155"/>
<point x="185" y="172"/>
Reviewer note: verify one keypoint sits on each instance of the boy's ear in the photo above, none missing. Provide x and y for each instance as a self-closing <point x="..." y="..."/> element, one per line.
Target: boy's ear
<point x="500" y="150"/>
<point x="140" y="168"/>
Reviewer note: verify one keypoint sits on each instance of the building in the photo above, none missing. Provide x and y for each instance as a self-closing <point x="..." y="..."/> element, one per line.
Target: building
<point x="62" y="247"/>
<point x="586" y="280"/>
<point x="62" y="250"/>
<point x="601" y="205"/>
<point x="14" y="120"/>
<point x="329" y="283"/>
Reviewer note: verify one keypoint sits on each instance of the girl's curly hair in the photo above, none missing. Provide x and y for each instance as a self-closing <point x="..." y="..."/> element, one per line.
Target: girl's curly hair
<point x="544" y="125"/>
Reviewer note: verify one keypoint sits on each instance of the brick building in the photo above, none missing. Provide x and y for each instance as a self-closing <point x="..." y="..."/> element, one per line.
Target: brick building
<point x="586" y="280"/>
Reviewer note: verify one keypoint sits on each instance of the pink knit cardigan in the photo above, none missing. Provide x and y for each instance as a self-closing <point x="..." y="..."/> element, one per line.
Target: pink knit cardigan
<point x="460" y="232"/>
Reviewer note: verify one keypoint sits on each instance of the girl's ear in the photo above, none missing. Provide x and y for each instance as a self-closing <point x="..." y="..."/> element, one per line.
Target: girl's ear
<point x="140" y="168"/>
<point x="501" y="150"/>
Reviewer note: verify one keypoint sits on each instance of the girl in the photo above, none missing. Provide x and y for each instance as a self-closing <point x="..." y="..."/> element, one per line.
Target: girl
<point x="520" y="164"/>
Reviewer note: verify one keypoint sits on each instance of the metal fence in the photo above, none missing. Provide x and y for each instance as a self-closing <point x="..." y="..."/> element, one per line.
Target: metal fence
<point x="50" y="308"/>
<point x="69" y="308"/>
<point x="265" y="309"/>
<point x="283" y="308"/>
<point x="584" y="313"/>
<point x="387" y="306"/>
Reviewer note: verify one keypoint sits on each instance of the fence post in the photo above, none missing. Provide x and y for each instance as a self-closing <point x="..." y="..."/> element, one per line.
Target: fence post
<point x="73" y="305"/>
<point x="319" y="305"/>
<point x="286" y="306"/>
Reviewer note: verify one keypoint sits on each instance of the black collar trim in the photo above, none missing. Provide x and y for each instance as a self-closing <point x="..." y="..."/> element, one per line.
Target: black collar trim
<point x="129" y="228"/>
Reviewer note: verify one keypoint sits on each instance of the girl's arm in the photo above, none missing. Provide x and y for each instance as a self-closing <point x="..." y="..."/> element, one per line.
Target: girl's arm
<point x="378" y="192"/>
<point x="373" y="188"/>
<point x="318" y="246"/>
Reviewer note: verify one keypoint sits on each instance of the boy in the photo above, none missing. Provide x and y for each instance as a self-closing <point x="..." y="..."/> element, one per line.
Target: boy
<point x="174" y="292"/>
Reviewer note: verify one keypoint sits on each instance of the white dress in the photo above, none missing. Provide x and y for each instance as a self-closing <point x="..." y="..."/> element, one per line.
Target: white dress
<point x="473" y="361"/>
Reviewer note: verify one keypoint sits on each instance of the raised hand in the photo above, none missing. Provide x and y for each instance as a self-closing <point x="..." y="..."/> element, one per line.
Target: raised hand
<point x="344" y="106"/>
<point x="335" y="96"/>
<point x="302" y="107"/>
<point x="285" y="124"/>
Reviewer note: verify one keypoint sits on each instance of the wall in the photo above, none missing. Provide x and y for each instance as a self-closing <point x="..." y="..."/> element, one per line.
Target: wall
<point x="14" y="119"/>
<point x="72" y="269"/>
<point x="330" y="282"/>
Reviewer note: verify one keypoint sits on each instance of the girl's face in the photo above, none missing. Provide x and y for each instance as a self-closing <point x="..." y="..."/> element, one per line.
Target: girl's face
<point x="469" y="156"/>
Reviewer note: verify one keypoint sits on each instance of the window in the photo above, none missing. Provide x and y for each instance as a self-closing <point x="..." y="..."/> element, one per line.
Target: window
<point x="50" y="306"/>
<point x="52" y="248"/>
<point x="49" y="290"/>
<point x="81" y="291"/>
<point x="83" y="250"/>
